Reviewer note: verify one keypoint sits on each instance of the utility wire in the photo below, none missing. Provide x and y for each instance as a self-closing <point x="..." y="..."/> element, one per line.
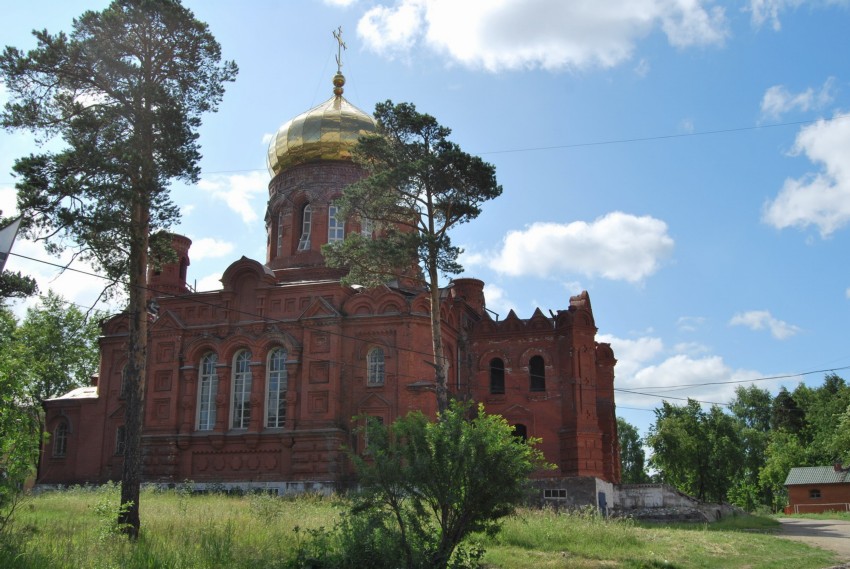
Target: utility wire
<point x="191" y="297"/>
<point x="607" y="142"/>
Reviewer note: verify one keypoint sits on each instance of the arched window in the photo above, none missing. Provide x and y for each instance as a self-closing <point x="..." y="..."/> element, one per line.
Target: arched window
<point x="521" y="432"/>
<point x="497" y="376"/>
<point x="207" y="390"/>
<point x="60" y="440"/>
<point x="306" y="223"/>
<point x="276" y="384"/>
<point x="537" y="374"/>
<point x="336" y="226"/>
<point x="241" y="400"/>
<point x="279" y="244"/>
<point x="375" y="361"/>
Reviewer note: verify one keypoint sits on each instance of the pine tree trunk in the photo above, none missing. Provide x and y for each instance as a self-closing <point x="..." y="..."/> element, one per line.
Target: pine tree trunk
<point x="131" y="476"/>
<point x="440" y="375"/>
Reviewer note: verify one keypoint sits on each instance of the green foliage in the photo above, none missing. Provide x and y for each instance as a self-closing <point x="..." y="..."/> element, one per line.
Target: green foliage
<point x="60" y="530"/>
<point x="430" y="484"/>
<point x="125" y="91"/>
<point x="752" y="410"/>
<point x="698" y="452"/>
<point x="632" y="456"/>
<point x="57" y="347"/>
<point x="19" y="425"/>
<point x="419" y="186"/>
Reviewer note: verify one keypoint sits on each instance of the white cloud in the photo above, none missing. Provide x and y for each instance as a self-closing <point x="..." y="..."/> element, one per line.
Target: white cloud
<point x="210" y="248"/>
<point x="764" y="320"/>
<point x="645" y="366"/>
<point x="617" y="246"/>
<point x="209" y="283"/>
<point x="80" y="286"/>
<point x="632" y="355"/>
<point x="340" y="3"/>
<point x="821" y="198"/>
<point x="549" y="34"/>
<point x="237" y="191"/>
<point x="8" y="201"/>
<point x="777" y="100"/>
<point x="847" y="293"/>
<point x="690" y="323"/>
<point x="497" y="300"/>
<point x="768" y="10"/>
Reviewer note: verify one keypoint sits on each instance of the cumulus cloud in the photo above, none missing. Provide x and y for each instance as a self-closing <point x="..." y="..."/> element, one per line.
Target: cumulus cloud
<point x="497" y="300"/>
<point x="768" y="11"/>
<point x="210" y="248"/>
<point x="617" y="246"/>
<point x="209" y="283"/>
<point x="764" y="320"/>
<point x="237" y="191"/>
<point x="648" y="372"/>
<point x="548" y="34"/>
<point x="778" y="100"/>
<point x="690" y="323"/>
<point x="820" y="198"/>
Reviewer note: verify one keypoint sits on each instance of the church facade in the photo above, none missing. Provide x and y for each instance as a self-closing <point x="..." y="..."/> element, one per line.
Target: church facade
<point x="258" y="384"/>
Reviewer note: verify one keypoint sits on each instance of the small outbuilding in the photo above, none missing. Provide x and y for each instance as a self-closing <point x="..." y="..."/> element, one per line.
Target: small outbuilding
<point x="813" y="489"/>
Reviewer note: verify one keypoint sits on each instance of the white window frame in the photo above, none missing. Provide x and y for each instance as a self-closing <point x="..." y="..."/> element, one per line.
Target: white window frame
<point x="240" y="393"/>
<point x="306" y="225"/>
<point x="367" y="227"/>
<point x="207" y="391"/>
<point x="375" y="367"/>
<point x="60" y="439"/>
<point x="277" y="382"/>
<point x="336" y="227"/>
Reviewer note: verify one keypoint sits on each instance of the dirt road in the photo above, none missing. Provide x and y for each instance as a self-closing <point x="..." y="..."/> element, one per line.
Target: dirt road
<point x="833" y="535"/>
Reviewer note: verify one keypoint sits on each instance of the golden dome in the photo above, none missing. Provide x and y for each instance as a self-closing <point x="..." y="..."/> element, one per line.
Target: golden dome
<point x="326" y="132"/>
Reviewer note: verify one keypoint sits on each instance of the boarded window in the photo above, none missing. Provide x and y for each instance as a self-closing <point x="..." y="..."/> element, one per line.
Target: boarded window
<point x="537" y="374"/>
<point x="497" y="376"/>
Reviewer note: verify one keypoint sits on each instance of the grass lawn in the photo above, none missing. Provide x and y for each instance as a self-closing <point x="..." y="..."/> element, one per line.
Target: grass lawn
<point x="74" y="529"/>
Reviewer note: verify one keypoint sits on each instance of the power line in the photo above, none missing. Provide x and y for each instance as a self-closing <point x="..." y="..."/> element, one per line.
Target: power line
<point x="603" y="142"/>
<point x="191" y="297"/>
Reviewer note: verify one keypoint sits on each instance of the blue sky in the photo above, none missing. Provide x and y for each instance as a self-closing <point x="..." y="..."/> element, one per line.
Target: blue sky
<point x="686" y="162"/>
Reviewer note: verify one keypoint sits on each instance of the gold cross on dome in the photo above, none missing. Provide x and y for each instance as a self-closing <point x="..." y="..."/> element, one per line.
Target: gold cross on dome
<point x="338" y="37"/>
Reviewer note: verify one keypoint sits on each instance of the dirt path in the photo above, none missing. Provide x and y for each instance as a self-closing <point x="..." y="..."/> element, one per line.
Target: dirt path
<point x="833" y="535"/>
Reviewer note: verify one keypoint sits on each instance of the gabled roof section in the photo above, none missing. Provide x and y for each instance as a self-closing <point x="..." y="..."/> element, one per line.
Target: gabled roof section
<point x="817" y="475"/>
<point x="320" y="308"/>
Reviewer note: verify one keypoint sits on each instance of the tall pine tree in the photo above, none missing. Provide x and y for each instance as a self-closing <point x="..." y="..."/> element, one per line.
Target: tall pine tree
<point x="125" y="91"/>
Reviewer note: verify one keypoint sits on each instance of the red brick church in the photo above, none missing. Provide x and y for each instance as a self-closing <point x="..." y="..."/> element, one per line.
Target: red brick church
<point x="255" y="385"/>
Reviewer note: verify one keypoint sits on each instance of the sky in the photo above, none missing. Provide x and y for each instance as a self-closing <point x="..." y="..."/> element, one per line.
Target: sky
<point x="686" y="162"/>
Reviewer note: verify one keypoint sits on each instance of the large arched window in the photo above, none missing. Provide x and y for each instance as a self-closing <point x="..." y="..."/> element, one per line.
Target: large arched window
<point x="336" y="226"/>
<point x="241" y="399"/>
<point x="375" y="361"/>
<point x="497" y="376"/>
<point x="276" y="384"/>
<point x="306" y="224"/>
<point x="207" y="390"/>
<point x="537" y="374"/>
<point x="60" y="439"/>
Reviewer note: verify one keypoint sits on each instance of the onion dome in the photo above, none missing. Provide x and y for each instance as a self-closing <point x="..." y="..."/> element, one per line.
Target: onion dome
<point x="326" y="132"/>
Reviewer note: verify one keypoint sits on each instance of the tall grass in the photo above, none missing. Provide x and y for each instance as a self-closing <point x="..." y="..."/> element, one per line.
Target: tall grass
<point x="75" y="529"/>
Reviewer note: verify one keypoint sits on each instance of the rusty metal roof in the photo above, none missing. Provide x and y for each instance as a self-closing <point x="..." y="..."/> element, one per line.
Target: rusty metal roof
<point x="816" y="475"/>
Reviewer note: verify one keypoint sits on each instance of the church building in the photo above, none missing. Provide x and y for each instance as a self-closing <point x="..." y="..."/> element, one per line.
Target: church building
<point x="256" y="385"/>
